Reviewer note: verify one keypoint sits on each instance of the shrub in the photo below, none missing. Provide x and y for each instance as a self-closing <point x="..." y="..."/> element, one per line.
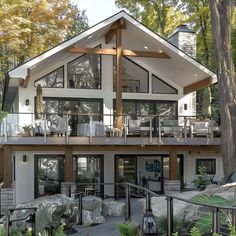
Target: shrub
<point x="127" y="229"/>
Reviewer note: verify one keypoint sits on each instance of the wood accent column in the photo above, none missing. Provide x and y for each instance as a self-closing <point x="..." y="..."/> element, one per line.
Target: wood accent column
<point x="69" y="164"/>
<point x="118" y="121"/>
<point x="7" y="167"/>
<point x="173" y="165"/>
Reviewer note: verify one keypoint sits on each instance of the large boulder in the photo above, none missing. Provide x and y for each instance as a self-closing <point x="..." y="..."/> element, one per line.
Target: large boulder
<point x="92" y="209"/>
<point x="89" y="218"/>
<point x="111" y="207"/>
<point x="159" y="204"/>
<point x="50" y="210"/>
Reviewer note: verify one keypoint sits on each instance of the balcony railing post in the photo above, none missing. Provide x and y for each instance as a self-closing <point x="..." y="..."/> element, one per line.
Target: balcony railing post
<point x="150" y="129"/>
<point x="215" y="220"/>
<point x="90" y="128"/>
<point x="185" y="129"/>
<point x="170" y="227"/>
<point x="44" y="128"/>
<point x="159" y="129"/>
<point x="128" y="210"/>
<point x="125" y="128"/>
<point x="67" y="136"/>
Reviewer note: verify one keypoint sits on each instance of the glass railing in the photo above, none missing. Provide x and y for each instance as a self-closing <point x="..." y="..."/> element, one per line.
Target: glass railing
<point x="103" y="125"/>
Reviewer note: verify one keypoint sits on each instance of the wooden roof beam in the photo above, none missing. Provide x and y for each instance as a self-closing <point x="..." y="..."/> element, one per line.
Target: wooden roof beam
<point x="103" y="51"/>
<point x="153" y="54"/>
<point x="119" y="24"/>
<point x="198" y="85"/>
<point x="125" y="52"/>
<point x="26" y="81"/>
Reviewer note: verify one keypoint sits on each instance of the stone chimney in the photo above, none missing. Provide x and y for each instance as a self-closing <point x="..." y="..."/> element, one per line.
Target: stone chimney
<point x="184" y="39"/>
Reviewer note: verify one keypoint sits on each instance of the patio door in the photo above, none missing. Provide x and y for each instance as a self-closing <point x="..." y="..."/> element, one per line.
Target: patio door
<point x="125" y="171"/>
<point x="49" y="173"/>
<point x="89" y="172"/>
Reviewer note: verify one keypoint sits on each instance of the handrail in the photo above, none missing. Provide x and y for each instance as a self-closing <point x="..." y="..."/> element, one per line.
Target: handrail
<point x="215" y="208"/>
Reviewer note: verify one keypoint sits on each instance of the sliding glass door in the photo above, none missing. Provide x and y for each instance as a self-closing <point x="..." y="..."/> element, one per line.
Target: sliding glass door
<point x="49" y="173"/>
<point x="89" y="172"/>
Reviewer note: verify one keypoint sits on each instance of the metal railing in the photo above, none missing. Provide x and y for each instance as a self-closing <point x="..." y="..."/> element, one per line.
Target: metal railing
<point x="181" y="128"/>
<point x="214" y="211"/>
<point x="29" y="218"/>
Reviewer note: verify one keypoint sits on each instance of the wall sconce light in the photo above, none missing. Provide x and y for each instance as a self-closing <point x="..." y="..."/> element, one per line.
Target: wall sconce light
<point x="24" y="158"/>
<point x="27" y="102"/>
<point x="185" y="106"/>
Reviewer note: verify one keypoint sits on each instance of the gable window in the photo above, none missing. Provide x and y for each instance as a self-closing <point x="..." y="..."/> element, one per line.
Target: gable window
<point x="161" y="87"/>
<point x="209" y="164"/>
<point x="134" y="77"/>
<point x="54" y="79"/>
<point x="85" y="72"/>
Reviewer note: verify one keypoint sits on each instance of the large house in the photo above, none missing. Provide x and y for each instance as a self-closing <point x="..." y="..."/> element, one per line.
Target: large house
<point x="115" y="103"/>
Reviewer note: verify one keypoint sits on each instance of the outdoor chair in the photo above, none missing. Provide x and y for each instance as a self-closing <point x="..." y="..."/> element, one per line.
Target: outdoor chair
<point x="59" y="126"/>
<point x="135" y="127"/>
<point x="171" y="128"/>
<point x="203" y="128"/>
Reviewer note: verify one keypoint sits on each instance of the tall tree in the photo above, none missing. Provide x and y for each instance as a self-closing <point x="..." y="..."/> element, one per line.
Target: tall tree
<point x="160" y="15"/>
<point x="221" y="20"/>
<point x="29" y="27"/>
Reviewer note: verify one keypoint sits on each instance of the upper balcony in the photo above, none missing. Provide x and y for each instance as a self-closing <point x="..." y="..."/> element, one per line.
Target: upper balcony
<point x="97" y="129"/>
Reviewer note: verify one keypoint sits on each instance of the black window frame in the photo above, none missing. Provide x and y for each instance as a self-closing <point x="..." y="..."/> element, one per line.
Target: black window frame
<point x="199" y="162"/>
<point x="114" y="77"/>
<point x="153" y="75"/>
<point x="100" y="74"/>
<point x="63" y="83"/>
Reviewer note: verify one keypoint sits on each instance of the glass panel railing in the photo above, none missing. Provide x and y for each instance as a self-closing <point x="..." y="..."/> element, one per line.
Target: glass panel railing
<point x="103" y="125"/>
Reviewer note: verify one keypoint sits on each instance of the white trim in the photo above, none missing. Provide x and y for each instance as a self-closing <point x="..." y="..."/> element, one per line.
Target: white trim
<point x="21" y="71"/>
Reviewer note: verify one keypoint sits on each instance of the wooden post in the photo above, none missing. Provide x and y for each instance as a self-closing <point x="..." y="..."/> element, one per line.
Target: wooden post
<point x="118" y="121"/>
<point x="172" y="165"/>
<point x="7" y="167"/>
<point x="68" y="164"/>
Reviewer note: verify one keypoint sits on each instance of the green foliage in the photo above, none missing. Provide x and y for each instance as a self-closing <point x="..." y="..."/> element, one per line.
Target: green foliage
<point x="232" y="230"/>
<point x="202" y="180"/>
<point x="161" y="223"/>
<point x="127" y="229"/>
<point x="213" y="199"/>
<point x="60" y="231"/>
<point x="28" y="232"/>
<point x="161" y="16"/>
<point x="195" y="232"/>
<point x="2" y="231"/>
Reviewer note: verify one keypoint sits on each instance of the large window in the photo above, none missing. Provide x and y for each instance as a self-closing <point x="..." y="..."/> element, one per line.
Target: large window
<point x="134" y="77"/>
<point x="77" y="109"/>
<point x="161" y="87"/>
<point x="209" y="164"/>
<point x="147" y="108"/>
<point x="89" y="170"/>
<point x="85" y="72"/>
<point x="49" y="174"/>
<point x="54" y="79"/>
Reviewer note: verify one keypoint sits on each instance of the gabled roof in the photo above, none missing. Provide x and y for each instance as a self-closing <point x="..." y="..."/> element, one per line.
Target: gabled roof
<point x="181" y="69"/>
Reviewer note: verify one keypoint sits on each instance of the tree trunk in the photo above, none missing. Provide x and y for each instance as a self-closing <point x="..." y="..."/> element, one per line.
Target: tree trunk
<point x="221" y="17"/>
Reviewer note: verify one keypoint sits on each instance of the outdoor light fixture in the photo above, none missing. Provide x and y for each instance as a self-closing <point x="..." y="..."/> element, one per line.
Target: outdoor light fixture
<point x="149" y="224"/>
<point x="24" y="158"/>
<point x="27" y="102"/>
